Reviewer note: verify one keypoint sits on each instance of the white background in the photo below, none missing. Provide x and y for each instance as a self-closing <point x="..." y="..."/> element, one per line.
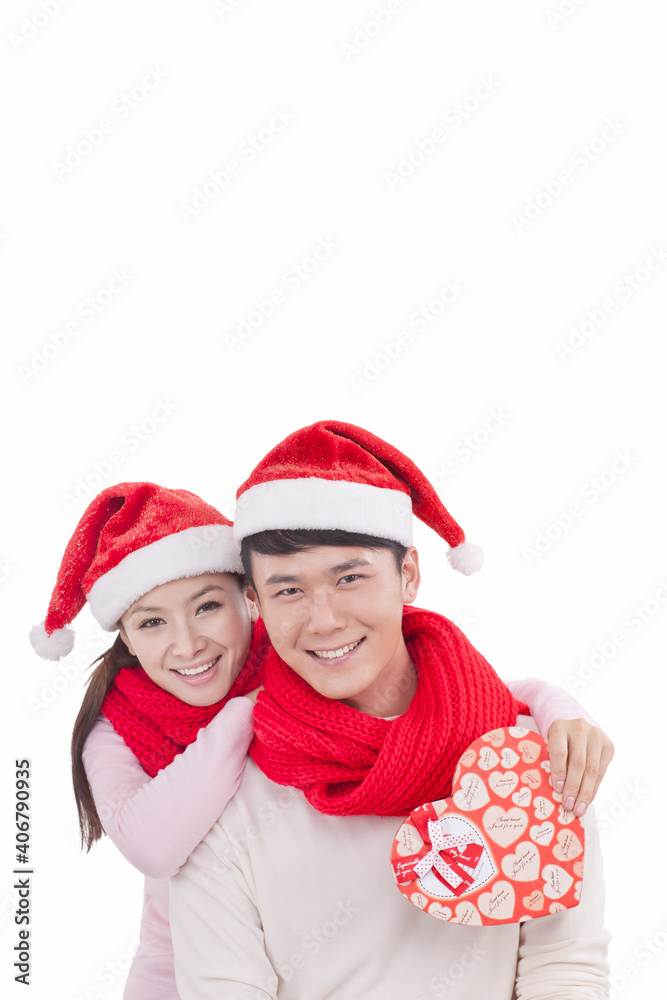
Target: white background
<point x="545" y="425"/>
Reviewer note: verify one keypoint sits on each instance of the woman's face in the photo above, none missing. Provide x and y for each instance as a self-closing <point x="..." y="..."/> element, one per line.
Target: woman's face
<point x="191" y="636"/>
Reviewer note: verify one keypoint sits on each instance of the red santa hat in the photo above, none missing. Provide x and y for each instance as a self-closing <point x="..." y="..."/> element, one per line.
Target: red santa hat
<point x="130" y="539"/>
<point x="335" y="475"/>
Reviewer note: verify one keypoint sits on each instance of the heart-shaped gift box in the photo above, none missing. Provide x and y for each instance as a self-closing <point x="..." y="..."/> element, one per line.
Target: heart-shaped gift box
<point x="502" y="849"/>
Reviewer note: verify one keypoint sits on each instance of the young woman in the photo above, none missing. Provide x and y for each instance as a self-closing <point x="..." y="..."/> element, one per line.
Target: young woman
<point x="161" y="739"/>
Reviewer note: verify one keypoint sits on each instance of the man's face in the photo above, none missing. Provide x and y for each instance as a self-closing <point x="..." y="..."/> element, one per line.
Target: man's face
<point x="334" y="615"/>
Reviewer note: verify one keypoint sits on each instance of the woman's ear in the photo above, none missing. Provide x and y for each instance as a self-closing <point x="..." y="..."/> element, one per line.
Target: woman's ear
<point x="410" y="575"/>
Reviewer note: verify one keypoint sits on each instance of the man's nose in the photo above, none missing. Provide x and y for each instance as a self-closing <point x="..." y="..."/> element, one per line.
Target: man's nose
<point x="326" y="614"/>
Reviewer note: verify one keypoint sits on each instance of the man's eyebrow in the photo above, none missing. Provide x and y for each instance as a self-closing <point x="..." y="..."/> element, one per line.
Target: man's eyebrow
<point x="350" y="564"/>
<point x="280" y="578"/>
<point x="340" y="568"/>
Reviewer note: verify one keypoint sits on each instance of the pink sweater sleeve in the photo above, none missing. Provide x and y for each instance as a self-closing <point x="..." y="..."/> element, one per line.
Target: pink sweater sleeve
<point x="547" y="702"/>
<point x="157" y="822"/>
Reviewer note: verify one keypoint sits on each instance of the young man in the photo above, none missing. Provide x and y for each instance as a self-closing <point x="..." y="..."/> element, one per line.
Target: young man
<point x="367" y="706"/>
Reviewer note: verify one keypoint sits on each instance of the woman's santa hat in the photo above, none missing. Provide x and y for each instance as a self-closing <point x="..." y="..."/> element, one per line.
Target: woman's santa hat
<point x="335" y="475"/>
<point x="132" y="538"/>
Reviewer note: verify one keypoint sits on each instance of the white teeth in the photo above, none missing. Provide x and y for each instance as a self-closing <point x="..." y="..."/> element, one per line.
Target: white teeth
<point x="193" y="671"/>
<point x="333" y="654"/>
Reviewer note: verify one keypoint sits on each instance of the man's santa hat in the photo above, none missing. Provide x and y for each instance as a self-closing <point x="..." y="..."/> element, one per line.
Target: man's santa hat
<point x="335" y="475"/>
<point x="132" y="538"/>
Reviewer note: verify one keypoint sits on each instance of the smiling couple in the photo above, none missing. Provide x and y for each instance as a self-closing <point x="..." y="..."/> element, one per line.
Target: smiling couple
<point x="367" y="705"/>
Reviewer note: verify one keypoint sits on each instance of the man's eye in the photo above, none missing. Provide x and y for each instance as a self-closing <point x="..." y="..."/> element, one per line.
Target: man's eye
<point x="350" y="578"/>
<point x="288" y="592"/>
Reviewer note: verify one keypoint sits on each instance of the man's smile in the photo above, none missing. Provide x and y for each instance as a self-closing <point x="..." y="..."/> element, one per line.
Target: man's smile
<point x="335" y="654"/>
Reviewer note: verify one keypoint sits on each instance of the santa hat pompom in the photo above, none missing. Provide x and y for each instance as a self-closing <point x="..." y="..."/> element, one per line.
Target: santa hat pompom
<point x="466" y="558"/>
<point x="54" y="646"/>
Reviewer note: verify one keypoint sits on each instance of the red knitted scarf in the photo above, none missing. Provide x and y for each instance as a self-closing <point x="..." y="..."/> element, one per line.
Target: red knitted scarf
<point x="155" y="724"/>
<point x="350" y="763"/>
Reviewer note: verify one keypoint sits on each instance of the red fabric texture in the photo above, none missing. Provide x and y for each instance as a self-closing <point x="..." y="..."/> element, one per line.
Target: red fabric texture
<point x="350" y="763"/>
<point x="335" y="450"/>
<point x="120" y="520"/>
<point x="155" y="724"/>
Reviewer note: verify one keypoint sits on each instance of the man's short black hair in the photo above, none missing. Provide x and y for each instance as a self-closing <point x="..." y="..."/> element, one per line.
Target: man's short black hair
<point x="282" y="542"/>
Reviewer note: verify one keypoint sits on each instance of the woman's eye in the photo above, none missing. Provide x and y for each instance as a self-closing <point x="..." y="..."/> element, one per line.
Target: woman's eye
<point x="208" y="606"/>
<point x="150" y="623"/>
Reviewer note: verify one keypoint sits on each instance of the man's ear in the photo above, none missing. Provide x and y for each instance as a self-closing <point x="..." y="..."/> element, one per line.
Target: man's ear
<point x="123" y="635"/>
<point x="252" y="602"/>
<point x="410" y="575"/>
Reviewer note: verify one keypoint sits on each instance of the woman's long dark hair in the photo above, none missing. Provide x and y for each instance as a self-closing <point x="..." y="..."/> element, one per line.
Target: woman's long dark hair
<point x="99" y="682"/>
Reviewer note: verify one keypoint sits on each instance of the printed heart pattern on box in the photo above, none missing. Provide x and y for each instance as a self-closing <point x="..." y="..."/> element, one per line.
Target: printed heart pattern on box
<point x="502" y="849"/>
